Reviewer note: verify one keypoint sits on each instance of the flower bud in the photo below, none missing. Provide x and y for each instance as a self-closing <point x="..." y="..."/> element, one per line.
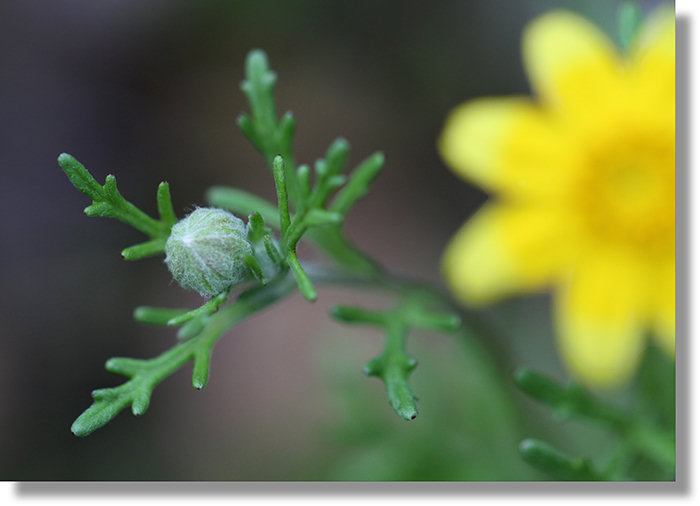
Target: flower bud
<point x="204" y="251"/>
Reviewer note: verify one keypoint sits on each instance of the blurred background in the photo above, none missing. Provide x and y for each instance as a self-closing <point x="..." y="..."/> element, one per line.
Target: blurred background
<point x="148" y="90"/>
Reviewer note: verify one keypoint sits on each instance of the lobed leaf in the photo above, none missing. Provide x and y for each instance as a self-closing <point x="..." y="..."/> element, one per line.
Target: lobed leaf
<point x="542" y="456"/>
<point x="80" y="177"/>
<point x="567" y="401"/>
<point x="109" y="203"/>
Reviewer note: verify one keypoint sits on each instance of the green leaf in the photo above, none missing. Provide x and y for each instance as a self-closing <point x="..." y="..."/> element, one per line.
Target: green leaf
<point x="304" y="179"/>
<point x="245" y="123"/>
<point x="656" y="385"/>
<point x="99" y="414"/>
<point x="145" y="375"/>
<point x="145" y="249"/>
<point x="268" y="135"/>
<point x="111" y="192"/>
<point x="80" y="177"/>
<point x="258" y="87"/>
<point x="243" y="204"/>
<point x="256" y="227"/>
<point x="568" y="401"/>
<point x="140" y="402"/>
<point x="165" y="205"/>
<point x="446" y="322"/>
<point x="208" y="308"/>
<point x="321" y="169"/>
<point x="300" y="209"/>
<point x="100" y="210"/>
<point x="544" y="457"/>
<point x="629" y="20"/>
<point x="336" y="156"/>
<point x="393" y="366"/>
<point x="272" y="251"/>
<point x="156" y="315"/>
<point x="286" y="128"/>
<point x="305" y="286"/>
<point x="332" y="184"/>
<point x="193" y="327"/>
<point x="358" y="184"/>
<point x="124" y="366"/>
<point x="273" y="138"/>
<point x="108" y="202"/>
<point x="356" y="315"/>
<point x="321" y="217"/>
<point x="254" y="267"/>
<point x="281" y="187"/>
<point x="638" y="436"/>
<point x="200" y="370"/>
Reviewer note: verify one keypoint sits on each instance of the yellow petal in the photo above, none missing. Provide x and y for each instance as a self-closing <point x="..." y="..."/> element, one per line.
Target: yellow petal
<point x="571" y="64"/>
<point x="600" y="320"/>
<point x="504" y="249"/>
<point x="664" y="309"/>
<point x="508" y="145"/>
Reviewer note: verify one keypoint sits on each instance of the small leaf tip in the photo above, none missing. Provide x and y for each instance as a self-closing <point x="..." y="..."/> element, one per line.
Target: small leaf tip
<point x="526" y="445"/>
<point x="256" y="52"/>
<point x="79" y="429"/>
<point x="521" y="374"/>
<point x="408" y="414"/>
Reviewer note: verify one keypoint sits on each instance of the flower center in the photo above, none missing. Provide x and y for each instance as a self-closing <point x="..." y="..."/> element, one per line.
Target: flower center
<point x="627" y="193"/>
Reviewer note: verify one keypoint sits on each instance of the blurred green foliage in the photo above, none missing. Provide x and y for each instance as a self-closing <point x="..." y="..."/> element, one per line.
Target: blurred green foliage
<point x="469" y="426"/>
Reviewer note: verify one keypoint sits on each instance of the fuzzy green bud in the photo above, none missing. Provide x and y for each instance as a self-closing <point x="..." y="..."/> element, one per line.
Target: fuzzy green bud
<point x="204" y="251"/>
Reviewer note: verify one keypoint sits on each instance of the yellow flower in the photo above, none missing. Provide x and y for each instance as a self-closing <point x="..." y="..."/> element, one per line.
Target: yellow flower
<point x="584" y="184"/>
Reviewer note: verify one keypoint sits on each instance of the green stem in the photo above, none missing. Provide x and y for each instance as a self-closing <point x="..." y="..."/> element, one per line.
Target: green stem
<point x="659" y="446"/>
